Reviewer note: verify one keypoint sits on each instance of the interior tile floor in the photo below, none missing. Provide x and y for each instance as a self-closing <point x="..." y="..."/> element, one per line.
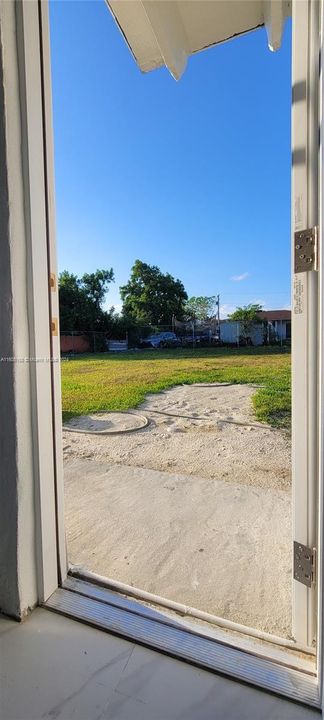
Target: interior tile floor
<point x="54" y="668"/>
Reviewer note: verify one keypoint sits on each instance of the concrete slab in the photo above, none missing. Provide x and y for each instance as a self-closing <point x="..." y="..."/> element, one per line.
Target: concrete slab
<point x="217" y="546"/>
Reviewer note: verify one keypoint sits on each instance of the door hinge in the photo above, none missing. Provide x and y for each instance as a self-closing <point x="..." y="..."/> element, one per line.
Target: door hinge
<point x="304" y="564"/>
<point x="53" y="281"/>
<point x="54" y="326"/>
<point x="306" y="250"/>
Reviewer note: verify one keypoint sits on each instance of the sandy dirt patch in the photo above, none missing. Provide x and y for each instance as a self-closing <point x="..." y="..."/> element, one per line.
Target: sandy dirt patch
<point x="195" y="508"/>
<point x="215" y="447"/>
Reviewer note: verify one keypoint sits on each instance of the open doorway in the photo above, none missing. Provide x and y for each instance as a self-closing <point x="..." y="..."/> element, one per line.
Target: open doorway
<point x="175" y="497"/>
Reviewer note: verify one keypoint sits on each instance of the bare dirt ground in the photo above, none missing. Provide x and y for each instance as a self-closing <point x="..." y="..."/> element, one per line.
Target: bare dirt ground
<point x="196" y="508"/>
<point x="215" y="447"/>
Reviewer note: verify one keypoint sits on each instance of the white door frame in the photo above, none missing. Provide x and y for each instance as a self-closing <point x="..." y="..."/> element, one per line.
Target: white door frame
<point x="305" y="156"/>
<point x="53" y="285"/>
<point x="36" y="179"/>
<point x="320" y="513"/>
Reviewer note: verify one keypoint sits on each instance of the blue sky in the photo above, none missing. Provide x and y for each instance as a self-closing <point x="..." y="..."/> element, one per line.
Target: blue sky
<point x="192" y="176"/>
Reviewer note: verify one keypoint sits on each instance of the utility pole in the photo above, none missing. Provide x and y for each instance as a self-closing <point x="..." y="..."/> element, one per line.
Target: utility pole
<point x="218" y="315"/>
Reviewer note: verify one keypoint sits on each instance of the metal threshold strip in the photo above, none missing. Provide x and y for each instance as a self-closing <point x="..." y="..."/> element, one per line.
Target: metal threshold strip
<point x="145" y="625"/>
<point x="185" y="611"/>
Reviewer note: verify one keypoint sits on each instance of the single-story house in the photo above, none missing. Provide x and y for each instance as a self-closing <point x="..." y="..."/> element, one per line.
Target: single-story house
<point x="276" y="326"/>
<point x="279" y="321"/>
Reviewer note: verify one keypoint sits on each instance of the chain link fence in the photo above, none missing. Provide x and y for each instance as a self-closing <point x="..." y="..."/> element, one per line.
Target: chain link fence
<point x="192" y="334"/>
<point x="74" y="342"/>
<point x="176" y="334"/>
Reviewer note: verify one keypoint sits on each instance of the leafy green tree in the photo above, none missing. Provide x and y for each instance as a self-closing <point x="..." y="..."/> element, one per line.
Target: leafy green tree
<point x="200" y="308"/>
<point x="248" y="316"/>
<point x="81" y="300"/>
<point x="95" y="285"/>
<point x="152" y="297"/>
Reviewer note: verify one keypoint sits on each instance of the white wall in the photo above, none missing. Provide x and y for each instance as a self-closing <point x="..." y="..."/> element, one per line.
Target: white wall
<point x="28" y="563"/>
<point x="280" y="329"/>
<point x="17" y="546"/>
<point x="231" y="330"/>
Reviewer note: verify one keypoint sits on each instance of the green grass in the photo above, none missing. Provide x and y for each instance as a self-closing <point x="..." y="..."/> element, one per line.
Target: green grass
<point x="118" y="382"/>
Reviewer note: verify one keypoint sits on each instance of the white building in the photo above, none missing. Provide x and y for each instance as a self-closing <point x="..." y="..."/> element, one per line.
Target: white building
<point x="279" y="322"/>
<point x="275" y="328"/>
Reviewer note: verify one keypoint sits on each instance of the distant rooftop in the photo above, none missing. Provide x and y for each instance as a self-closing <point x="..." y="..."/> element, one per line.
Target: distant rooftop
<point x="272" y="315"/>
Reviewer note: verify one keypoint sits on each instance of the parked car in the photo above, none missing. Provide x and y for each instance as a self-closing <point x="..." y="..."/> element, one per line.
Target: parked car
<point x="203" y="339"/>
<point x="163" y="339"/>
<point x="207" y="338"/>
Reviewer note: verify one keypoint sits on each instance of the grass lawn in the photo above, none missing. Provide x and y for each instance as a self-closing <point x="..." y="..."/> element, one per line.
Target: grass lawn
<point x="121" y="381"/>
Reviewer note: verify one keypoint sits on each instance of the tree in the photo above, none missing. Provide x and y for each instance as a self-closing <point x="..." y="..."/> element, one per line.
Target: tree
<point x="81" y="300"/>
<point x="95" y="285"/>
<point x="200" y="308"/>
<point x="248" y="315"/>
<point x="152" y="297"/>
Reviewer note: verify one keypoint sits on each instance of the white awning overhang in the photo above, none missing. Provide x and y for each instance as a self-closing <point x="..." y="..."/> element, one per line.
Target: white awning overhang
<point x="167" y="32"/>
